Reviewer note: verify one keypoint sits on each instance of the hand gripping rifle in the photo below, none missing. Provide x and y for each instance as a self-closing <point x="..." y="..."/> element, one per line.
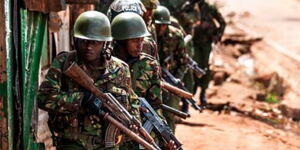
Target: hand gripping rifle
<point x="191" y="63"/>
<point x="168" y="77"/>
<point x="154" y="121"/>
<point x="196" y="69"/>
<point x="118" y="116"/>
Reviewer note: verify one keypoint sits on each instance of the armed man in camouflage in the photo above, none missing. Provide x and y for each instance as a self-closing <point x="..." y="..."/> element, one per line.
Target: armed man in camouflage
<point x="184" y="11"/>
<point x="150" y="42"/>
<point x="197" y="18"/>
<point x="128" y="31"/>
<point x="206" y="32"/>
<point x="172" y="54"/>
<point x="71" y="118"/>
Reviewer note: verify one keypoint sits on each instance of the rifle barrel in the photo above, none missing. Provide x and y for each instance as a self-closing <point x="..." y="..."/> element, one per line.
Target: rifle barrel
<point x="175" y="111"/>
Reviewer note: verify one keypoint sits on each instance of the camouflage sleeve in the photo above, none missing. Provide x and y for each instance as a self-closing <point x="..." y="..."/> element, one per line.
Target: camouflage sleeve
<point x="150" y="47"/>
<point x="133" y="100"/>
<point x="134" y="103"/>
<point x="218" y="16"/>
<point x="51" y="97"/>
<point x="181" y="55"/>
<point x="147" y="82"/>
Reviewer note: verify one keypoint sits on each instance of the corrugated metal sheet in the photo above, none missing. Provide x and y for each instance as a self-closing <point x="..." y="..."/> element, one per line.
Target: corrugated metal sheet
<point x="8" y="102"/>
<point x="33" y="36"/>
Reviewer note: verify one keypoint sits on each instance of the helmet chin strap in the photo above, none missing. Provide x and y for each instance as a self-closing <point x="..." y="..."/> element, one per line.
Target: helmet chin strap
<point x="107" y="50"/>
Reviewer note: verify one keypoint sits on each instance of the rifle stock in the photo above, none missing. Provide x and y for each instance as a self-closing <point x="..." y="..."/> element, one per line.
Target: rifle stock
<point x="118" y="111"/>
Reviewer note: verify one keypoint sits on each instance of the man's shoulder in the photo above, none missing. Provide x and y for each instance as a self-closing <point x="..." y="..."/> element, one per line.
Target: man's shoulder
<point x="147" y="62"/>
<point x="116" y="62"/>
<point x="175" y="31"/>
<point x="146" y="57"/>
<point x="62" y="57"/>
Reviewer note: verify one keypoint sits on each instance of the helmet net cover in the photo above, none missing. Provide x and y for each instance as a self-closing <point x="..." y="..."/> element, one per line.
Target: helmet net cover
<point x="119" y="6"/>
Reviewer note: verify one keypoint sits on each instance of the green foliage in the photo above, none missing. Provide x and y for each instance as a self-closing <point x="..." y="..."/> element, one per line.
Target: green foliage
<point x="272" y="98"/>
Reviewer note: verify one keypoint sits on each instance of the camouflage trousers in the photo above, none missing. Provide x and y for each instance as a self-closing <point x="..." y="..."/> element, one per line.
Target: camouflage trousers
<point x="202" y="53"/>
<point x="172" y="101"/>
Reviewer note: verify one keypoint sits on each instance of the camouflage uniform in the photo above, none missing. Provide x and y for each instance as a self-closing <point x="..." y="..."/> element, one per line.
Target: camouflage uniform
<point x="144" y="68"/>
<point x="172" y="51"/>
<point x="150" y="42"/>
<point x="186" y="18"/>
<point x="62" y="98"/>
<point x="150" y="47"/>
<point x="145" y="78"/>
<point x="198" y="20"/>
<point x="188" y="75"/>
<point x="205" y="33"/>
<point x="172" y="54"/>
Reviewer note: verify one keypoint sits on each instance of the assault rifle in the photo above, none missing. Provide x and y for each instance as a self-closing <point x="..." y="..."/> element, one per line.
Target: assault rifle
<point x="196" y="69"/>
<point x="118" y="116"/>
<point x="191" y="64"/>
<point x="168" y="77"/>
<point x="154" y="121"/>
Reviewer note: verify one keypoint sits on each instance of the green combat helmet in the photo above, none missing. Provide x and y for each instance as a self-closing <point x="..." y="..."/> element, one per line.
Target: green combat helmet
<point x="162" y="15"/>
<point x="128" y="25"/>
<point x="150" y="3"/>
<point x="92" y="25"/>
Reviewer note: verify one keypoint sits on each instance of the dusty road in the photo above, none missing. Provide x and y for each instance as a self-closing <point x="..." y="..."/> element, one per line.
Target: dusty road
<point x="278" y="23"/>
<point x="232" y="131"/>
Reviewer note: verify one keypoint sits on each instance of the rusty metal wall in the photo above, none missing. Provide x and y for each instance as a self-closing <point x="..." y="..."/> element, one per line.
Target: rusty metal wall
<point x="3" y="81"/>
<point x="6" y="79"/>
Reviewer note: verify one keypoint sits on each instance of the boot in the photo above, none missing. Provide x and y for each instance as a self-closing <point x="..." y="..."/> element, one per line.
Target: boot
<point x="185" y="107"/>
<point x="203" y="101"/>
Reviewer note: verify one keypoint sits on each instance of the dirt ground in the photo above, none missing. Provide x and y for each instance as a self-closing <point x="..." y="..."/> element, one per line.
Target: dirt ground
<point x="213" y="130"/>
<point x="246" y="122"/>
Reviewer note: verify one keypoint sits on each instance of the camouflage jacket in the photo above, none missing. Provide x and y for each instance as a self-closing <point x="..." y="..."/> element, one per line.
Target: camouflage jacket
<point x="149" y="43"/>
<point x="145" y="78"/>
<point x="150" y="47"/>
<point x="172" y="51"/>
<point x="186" y="17"/>
<point x="151" y="29"/>
<point x="62" y="97"/>
<point x="207" y="30"/>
